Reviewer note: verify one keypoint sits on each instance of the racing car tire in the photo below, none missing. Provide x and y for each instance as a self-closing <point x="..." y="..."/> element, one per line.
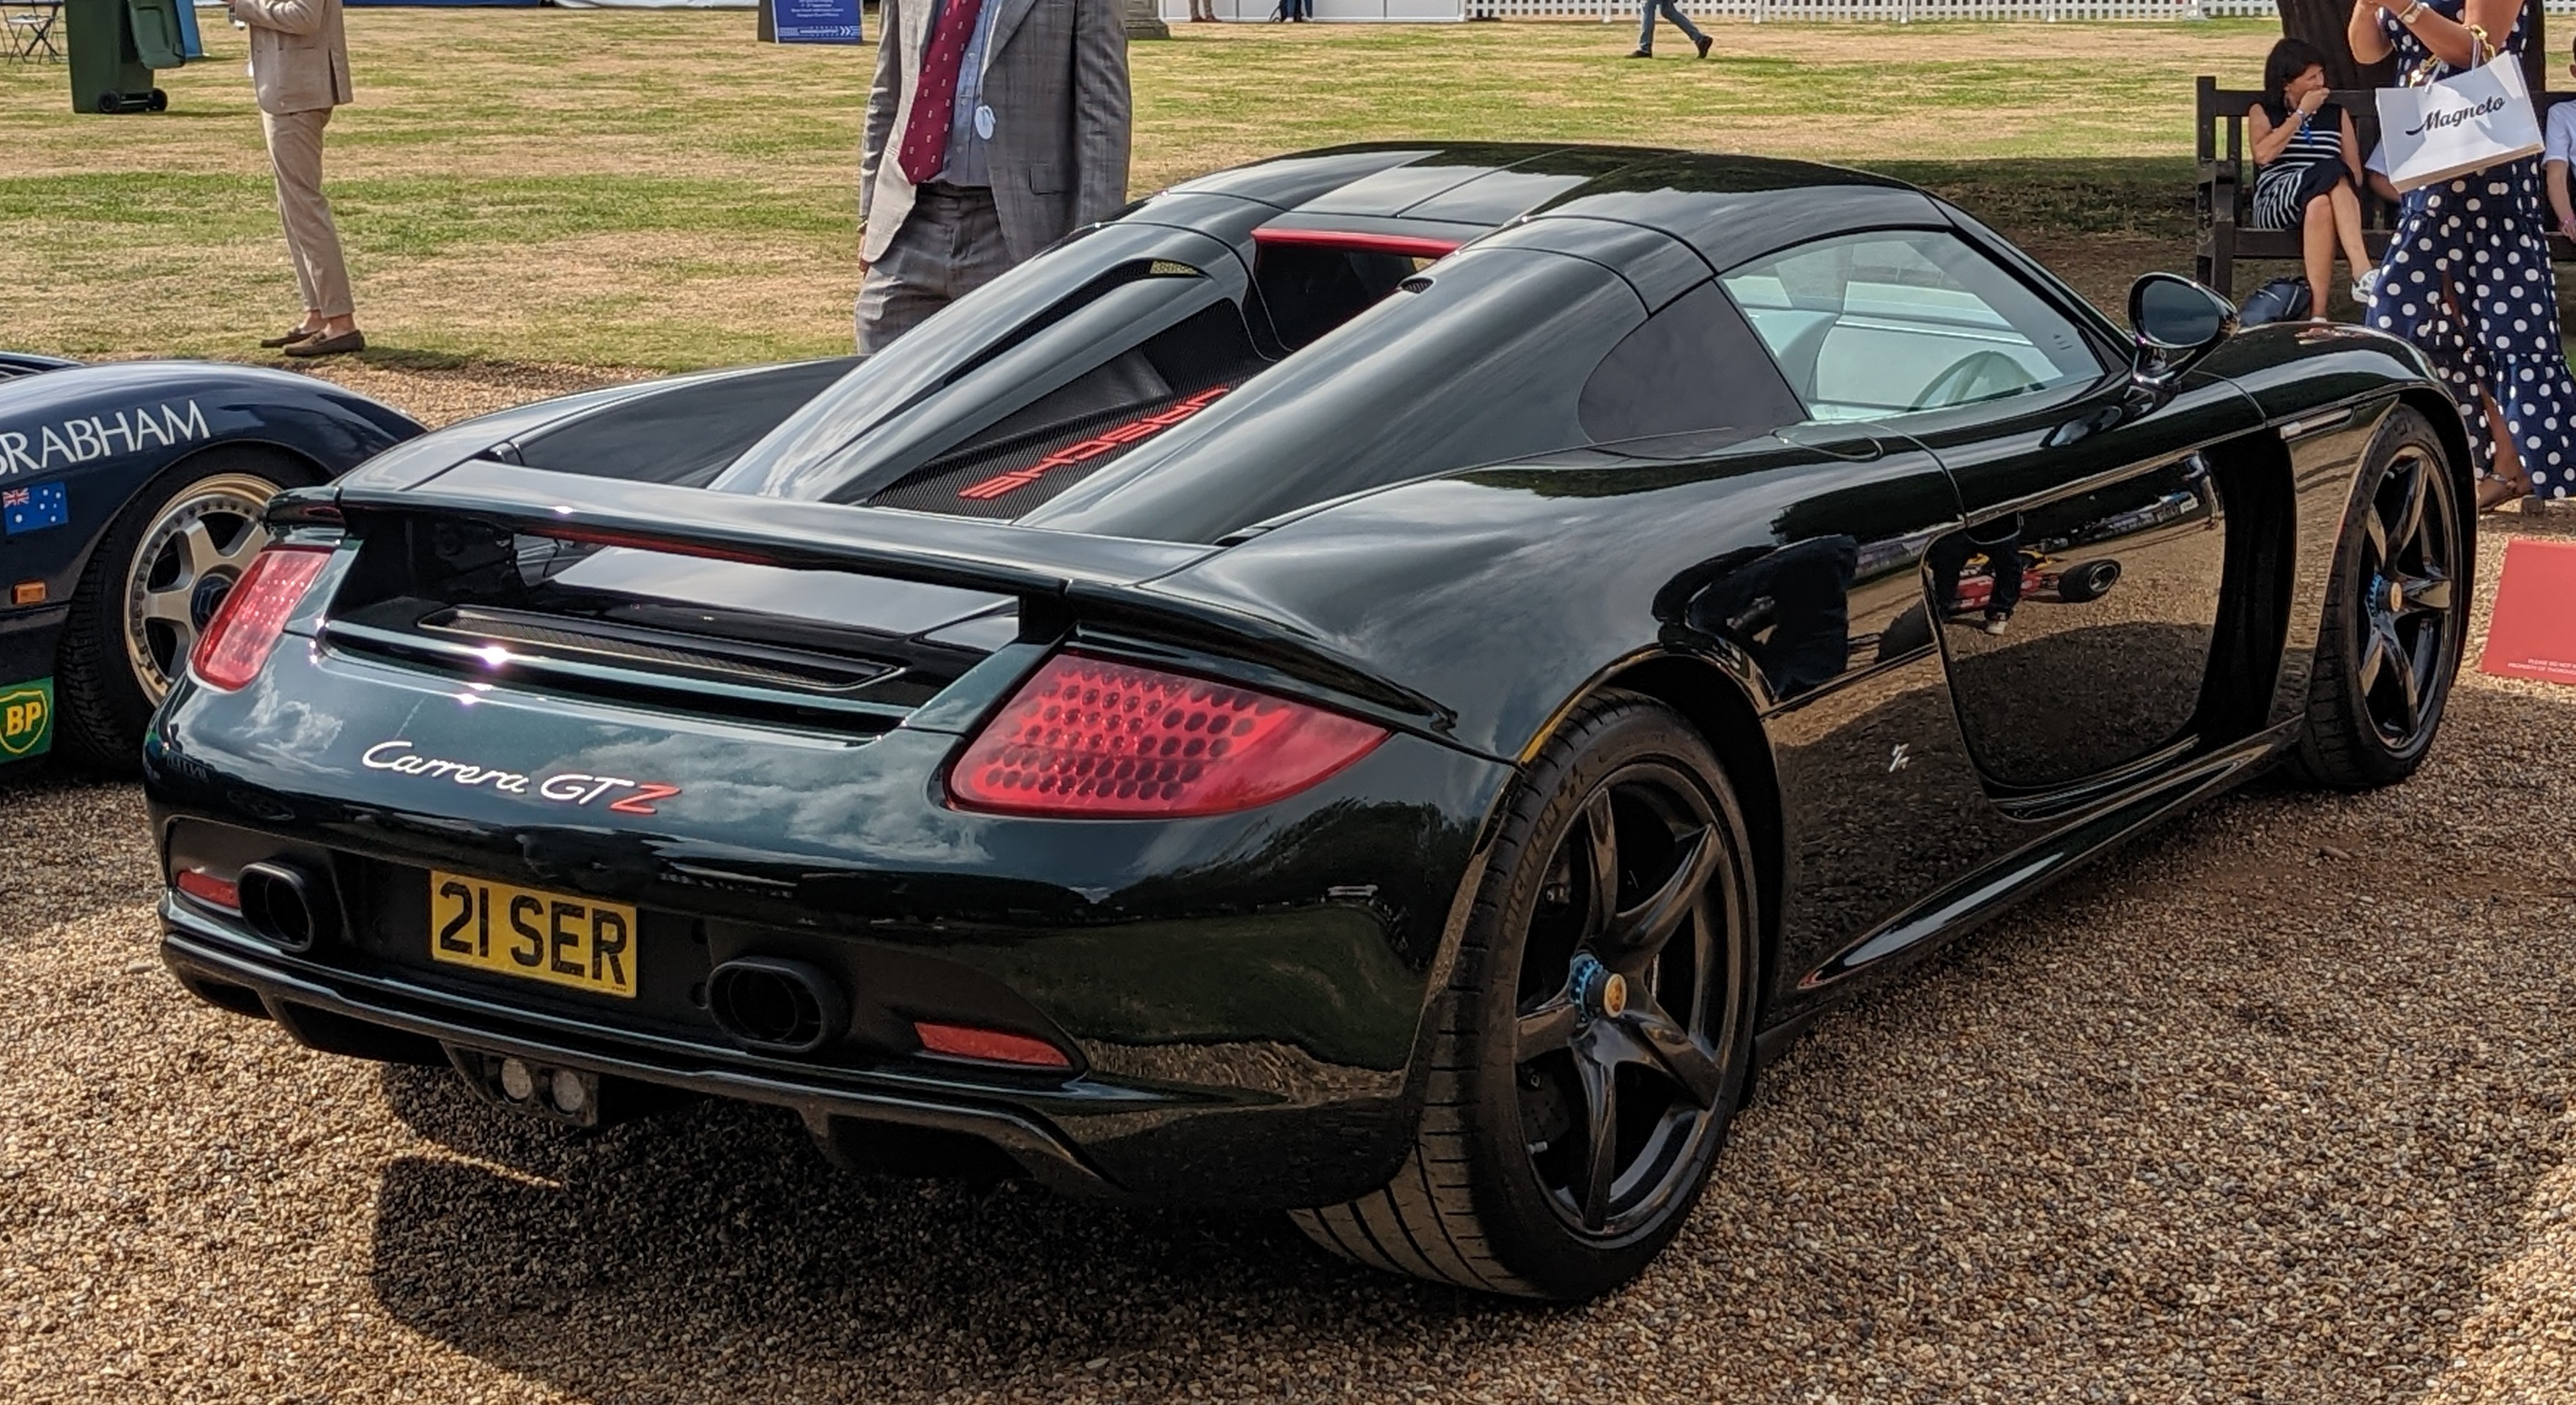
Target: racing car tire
<point x="104" y="704"/>
<point x="1471" y="1206"/>
<point x="2090" y="580"/>
<point x="2352" y="741"/>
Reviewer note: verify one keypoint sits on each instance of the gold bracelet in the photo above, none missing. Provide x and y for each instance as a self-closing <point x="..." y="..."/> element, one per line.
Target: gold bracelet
<point x="2407" y="15"/>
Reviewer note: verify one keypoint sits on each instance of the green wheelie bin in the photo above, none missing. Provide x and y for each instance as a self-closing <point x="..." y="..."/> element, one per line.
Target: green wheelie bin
<point x="114" y="46"/>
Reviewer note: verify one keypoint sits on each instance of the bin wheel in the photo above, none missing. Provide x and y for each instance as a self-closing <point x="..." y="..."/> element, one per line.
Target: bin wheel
<point x="158" y="102"/>
<point x="110" y="101"/>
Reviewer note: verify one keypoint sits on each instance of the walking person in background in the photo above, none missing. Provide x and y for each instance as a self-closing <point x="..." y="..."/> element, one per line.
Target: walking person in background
<point x="299" y="69"/>
<point x="1646" y="29"/>
<point x="2467" y="278"/>
<point x="995" y="128"/>
<point x="2307" y="169"/>
<point x="1202" y="11"/>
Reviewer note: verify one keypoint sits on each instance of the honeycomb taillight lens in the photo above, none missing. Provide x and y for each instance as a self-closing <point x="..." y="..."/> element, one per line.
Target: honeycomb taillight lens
<point x="1090" y="738"/>
<point x="246" y="627"/>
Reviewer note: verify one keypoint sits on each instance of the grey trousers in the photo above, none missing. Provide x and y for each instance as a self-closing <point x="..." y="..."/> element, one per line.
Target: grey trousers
<point x="312" y="241"/>
<point x="950" y="245"/>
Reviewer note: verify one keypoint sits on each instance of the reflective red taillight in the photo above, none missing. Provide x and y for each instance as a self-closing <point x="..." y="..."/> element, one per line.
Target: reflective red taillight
<point x="207" y="888"/>
<point x="1094" y="739"/>
<point x="958" y="1041"/>
<point x="246" y="626"/>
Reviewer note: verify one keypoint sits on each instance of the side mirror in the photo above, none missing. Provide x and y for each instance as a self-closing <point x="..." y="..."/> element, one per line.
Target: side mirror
<point x="2176" y="322"/>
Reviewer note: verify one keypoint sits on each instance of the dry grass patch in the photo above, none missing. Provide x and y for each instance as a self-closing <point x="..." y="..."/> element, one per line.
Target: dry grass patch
<point x="656" y="189"/>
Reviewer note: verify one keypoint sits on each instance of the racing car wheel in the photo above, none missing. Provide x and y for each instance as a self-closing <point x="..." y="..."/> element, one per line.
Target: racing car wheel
<point x="2090" y="580"/>
<point x="153" y="583"/>
<point x="1596" y="1030"/>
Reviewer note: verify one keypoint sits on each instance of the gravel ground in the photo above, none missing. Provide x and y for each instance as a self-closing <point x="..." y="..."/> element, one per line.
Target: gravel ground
<point x="2273" y="1106"/>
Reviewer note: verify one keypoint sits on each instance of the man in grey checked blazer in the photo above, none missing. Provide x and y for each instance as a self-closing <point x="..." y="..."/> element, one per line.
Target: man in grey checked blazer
<point x="994" y="128"/>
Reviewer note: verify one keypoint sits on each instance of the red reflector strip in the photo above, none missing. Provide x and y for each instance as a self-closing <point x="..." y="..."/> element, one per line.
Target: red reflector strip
<point x="959" y="1041"/>
<point x="1414" y="246"/>
<point x="1107" y="441"/>
<point x="207" y="888"/>
<point x="246" y="627"/>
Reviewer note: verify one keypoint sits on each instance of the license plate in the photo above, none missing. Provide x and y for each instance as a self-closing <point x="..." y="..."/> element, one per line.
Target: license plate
<point x="579" y="942"/>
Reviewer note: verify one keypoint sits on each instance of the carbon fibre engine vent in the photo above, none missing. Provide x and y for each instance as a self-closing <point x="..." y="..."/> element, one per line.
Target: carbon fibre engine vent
<point x="609" y="643"/>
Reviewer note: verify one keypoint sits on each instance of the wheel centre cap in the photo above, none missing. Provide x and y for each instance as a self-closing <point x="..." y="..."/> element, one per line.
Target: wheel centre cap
<point x="208" y="597"/>
<point x="1599" y="992"/>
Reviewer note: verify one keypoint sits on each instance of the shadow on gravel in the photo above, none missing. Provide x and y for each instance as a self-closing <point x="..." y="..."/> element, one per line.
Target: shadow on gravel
<point x="710" y="1254"/>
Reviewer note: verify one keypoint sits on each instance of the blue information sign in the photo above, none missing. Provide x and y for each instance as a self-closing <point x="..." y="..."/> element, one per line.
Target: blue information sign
<point x="817" y="21"/>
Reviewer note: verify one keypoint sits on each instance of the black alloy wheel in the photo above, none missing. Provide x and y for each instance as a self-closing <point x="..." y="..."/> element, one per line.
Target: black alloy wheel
<point x="1600" y="1024"/>
<point x="2395" y="617"/>
<point x="1617" y="1087"/>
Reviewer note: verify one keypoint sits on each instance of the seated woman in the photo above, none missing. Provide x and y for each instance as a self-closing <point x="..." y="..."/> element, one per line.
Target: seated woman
<point x="2307" y="168"/>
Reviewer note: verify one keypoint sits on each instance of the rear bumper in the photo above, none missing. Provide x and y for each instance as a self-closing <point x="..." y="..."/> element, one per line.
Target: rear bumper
<point x="214" y="965"/>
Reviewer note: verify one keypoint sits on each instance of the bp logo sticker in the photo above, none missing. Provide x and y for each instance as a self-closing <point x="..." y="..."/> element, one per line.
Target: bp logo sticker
<point x="26" y="719"/>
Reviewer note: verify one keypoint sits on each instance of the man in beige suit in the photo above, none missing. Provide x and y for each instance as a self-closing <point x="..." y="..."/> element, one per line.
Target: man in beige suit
<point x="299" y="66"/>
<point x="995" y="127"/>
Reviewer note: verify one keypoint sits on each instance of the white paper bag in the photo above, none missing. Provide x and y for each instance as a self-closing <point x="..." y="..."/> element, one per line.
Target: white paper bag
<point x="2452" y="126"/>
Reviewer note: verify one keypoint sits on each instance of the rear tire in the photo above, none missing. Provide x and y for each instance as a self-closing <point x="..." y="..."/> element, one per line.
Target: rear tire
<point x="2395" y="616"/>
<point x="176" y="549"/>
<point x="1574" y="1007"/>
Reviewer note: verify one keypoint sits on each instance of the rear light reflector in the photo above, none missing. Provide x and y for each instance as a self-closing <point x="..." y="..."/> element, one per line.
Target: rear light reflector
<point x="246" y="627"/>
<point x="959" y="1041"/>
<point x="1088" y="738"/>
<point x="208" y="889"/>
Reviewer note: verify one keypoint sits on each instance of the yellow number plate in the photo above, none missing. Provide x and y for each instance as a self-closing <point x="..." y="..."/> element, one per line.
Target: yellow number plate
<point x="489" y="926"/>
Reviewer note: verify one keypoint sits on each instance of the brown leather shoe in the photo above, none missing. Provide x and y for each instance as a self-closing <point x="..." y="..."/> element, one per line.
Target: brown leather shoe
<point x="329" y="346"/>
<point x="289" y="339"/>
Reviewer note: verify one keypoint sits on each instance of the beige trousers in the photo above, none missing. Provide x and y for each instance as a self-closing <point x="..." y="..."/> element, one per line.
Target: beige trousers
<point x="295" y="151"/>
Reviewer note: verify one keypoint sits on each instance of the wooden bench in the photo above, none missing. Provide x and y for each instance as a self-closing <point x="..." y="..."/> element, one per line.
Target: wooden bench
<point x="2225" y="196"/>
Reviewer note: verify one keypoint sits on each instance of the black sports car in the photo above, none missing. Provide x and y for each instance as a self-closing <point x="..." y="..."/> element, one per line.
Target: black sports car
<point x="1382" y="683"/>
<point x="130" y="501"/>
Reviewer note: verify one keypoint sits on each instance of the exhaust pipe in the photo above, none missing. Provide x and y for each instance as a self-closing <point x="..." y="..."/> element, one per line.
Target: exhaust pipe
<point x="291" y="906"/>
<point x="776" y="1006"/>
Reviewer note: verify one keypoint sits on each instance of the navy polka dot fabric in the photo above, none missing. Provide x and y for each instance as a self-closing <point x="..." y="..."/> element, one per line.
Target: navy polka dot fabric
<point x="2467" y="279"/>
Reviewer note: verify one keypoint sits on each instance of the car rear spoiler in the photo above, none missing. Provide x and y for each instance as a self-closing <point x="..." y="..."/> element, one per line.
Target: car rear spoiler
<point x="1060" y="578"/>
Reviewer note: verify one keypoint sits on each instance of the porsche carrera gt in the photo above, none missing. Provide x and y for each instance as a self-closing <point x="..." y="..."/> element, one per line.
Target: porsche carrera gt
<point x="1381" y="684"/>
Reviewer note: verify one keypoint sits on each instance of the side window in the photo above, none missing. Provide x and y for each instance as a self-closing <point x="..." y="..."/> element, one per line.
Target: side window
<point x="1881" y="324"/>
<point x="1690" y="367"/>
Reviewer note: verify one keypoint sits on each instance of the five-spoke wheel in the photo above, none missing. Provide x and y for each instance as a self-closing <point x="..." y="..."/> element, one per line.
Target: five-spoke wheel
<point x="2389" y="643"/>
<point x="1596" y="1028"/>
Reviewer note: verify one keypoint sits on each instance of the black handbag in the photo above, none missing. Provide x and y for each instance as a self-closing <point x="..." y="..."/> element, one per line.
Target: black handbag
<point x="2281" y="300"/>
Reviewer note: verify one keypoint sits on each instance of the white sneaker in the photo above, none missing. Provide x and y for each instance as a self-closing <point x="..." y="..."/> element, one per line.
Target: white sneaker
<point x="2365" y="289"/>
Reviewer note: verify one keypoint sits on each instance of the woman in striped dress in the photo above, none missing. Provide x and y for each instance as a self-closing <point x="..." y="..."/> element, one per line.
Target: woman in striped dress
<point x="2307" y="169"/>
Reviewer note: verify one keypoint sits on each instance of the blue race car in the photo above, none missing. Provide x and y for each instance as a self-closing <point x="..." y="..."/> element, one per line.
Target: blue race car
<point x="130" y="498"/>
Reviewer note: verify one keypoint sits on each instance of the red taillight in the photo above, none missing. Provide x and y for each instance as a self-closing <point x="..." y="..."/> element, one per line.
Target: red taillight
<point x="1095" y="739"/>
<point x="207" y="888"/>
<point x="247" y="625"/>
<point x="958" y="1041"/>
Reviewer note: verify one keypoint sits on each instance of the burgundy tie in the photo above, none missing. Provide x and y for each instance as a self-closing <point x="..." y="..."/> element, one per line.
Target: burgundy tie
<point x="934" y="94"/>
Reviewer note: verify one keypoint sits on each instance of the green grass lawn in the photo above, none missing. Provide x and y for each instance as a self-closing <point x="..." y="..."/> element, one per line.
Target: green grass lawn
<point x="659" y="190"/>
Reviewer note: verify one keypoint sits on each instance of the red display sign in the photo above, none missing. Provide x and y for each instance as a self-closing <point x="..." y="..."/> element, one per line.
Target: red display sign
<point x="2534" y="631"/>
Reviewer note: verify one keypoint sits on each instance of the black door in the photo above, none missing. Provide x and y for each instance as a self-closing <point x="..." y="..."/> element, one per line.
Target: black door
<point x="2077" y="604"/>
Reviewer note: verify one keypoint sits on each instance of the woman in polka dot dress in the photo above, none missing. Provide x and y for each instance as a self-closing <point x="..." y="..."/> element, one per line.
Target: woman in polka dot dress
<point x="2467" y="276"/>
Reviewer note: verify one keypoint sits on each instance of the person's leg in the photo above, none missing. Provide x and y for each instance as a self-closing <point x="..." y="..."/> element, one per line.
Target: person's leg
<point x="1690" y="31"/>
<point x="911" y="280"/>
<point x="2347" y="218"/>
<point x="1646" y="29"/>
<point x="287" y="169"/>
<point x="981" y="254"/>
<point x="2316" y="247"/>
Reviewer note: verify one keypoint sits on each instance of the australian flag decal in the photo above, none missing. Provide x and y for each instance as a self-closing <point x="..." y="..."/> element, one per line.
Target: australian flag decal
<point x="33" y="508"/>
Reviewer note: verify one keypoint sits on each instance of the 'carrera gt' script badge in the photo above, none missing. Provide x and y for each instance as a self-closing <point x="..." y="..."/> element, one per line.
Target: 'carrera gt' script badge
<point x="576" y="788"/>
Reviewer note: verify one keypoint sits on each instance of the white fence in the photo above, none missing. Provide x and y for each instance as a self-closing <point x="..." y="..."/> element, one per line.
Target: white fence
<point x="1879" y="11"/>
